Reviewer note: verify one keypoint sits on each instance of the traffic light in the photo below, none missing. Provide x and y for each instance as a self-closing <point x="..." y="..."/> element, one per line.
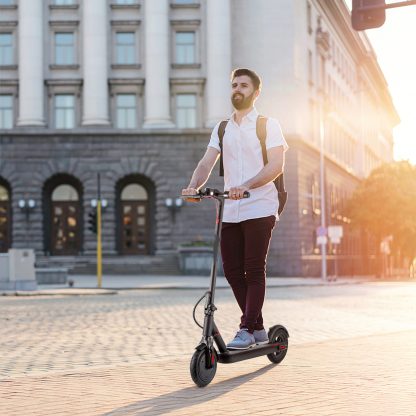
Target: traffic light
<point x="92" y="220"/>
<point x="368" y="14"/>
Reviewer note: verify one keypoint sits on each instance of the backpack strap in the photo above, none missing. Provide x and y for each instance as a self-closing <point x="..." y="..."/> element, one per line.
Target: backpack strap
<point x="261" y="131"/>
<point x="221" y="132"/>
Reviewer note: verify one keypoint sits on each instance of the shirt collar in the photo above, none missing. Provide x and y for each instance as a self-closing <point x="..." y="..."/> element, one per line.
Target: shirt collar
<point x="251" y="116"/>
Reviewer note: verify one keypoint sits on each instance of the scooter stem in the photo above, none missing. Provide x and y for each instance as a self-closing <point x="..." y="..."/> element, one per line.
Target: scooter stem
<point x="216" y="248"/>
<point x="209" y="306"/>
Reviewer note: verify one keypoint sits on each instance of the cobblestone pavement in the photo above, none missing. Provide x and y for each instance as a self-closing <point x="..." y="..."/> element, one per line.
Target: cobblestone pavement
<point x="352" y="351"/>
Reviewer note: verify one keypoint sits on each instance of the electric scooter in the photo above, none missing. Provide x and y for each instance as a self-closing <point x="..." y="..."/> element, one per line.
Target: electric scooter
<point x="205" y="358"/>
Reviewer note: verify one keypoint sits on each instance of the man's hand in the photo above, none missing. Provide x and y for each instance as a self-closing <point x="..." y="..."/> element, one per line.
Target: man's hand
<point x="191" y="191"/>
<point x="237" y="192"/>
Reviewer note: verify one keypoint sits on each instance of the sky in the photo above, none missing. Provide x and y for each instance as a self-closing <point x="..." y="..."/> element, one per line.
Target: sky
<point x="394" y="45"/>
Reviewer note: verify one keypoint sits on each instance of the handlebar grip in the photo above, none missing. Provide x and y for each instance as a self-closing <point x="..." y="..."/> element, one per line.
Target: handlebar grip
<point x="210" y="192"/>
<point x="246" y="194"/>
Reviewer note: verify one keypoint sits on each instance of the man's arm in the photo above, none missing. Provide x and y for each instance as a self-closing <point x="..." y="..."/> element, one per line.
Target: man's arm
<point x="202" y="171"/>
<point x="274" y="167"/>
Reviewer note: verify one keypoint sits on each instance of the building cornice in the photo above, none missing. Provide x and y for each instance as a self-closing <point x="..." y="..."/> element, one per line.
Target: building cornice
<point x="9" y="23"/>
<point x="360" y="49"/>
<point x="99" y="132"/>
<point x="195" y="22"/>
<point x="60" y="23"/>
<point x="125" y="22"/>
<point x="187" y="81"/>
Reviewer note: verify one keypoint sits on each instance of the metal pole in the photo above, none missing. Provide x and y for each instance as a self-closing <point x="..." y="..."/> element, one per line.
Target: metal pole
<point x="386" y="6"/>
<point x="336" y="261"/>
<point x="99" y="247"/>
<point x="322" y="188"/>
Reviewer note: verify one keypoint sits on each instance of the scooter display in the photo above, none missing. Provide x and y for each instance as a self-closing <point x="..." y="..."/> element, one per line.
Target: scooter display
<point x="205" y="358"/>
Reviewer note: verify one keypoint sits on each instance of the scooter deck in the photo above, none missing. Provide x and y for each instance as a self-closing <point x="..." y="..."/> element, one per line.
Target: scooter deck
<point x="233" y="356"/>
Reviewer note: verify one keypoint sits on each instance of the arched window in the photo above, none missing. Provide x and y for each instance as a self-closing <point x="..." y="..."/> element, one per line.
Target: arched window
<point x="65" y="193"/>
<point x="65" y="238"/>
<point x="135" y="227"/>
<point x="5" y="219"/>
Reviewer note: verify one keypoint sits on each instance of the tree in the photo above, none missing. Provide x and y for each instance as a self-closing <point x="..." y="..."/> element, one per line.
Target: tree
<point x="384" y="204"/>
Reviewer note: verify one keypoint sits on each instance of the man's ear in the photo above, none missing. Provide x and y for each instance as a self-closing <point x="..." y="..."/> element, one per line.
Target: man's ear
<point x="256" y="93"/>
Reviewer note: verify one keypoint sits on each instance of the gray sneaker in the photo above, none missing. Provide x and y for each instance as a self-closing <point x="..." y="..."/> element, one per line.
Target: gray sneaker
<point x="242" y="340"/>
<point x="261" y="336"/>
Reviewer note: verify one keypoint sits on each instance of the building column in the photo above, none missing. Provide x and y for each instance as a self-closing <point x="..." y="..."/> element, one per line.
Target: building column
<point x="157" y="53"/>
<point x="218" y="61"/>
<point x="95" y="63"/>
<point x="31" y="90"/>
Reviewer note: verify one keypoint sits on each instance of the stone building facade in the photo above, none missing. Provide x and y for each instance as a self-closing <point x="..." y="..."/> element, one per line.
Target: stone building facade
<point x="131" y="89"/>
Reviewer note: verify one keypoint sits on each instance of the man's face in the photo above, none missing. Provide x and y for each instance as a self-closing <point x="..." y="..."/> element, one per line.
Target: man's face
<point x="243" y="93"/>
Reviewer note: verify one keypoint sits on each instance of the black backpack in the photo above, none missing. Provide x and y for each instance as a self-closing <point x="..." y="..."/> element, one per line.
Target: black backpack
<point x="261" y="135"/>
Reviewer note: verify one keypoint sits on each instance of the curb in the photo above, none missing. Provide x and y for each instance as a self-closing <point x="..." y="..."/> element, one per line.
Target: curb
<point x="60" y="292"/>
<point x="91" y="291"/>
<point x="283" y="285"/>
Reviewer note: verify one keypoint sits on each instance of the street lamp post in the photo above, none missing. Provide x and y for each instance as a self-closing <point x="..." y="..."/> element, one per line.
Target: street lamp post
<point x="322" y="190"/>
<point x="173" y="205"/>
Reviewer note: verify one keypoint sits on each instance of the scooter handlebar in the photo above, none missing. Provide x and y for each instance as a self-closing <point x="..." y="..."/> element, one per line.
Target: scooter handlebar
<point x="246" y="194"/>
<point x="212" y="193"/>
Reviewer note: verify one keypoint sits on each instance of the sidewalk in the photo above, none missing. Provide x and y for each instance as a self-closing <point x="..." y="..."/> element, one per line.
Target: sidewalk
<point x="87" y="284"/>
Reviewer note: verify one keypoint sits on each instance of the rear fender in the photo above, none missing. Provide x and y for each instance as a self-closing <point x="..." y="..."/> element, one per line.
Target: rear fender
<point x="276" y="327"/>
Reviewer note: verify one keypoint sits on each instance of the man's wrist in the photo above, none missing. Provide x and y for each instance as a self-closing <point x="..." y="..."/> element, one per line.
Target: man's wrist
<point x="247" y="185"/>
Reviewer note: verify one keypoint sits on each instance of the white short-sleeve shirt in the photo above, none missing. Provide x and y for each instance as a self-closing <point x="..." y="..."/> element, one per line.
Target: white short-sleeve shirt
<point x="243" y="159"/>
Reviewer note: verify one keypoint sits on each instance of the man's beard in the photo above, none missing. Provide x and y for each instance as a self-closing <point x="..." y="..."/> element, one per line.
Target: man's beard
<point x="244" y="103"/>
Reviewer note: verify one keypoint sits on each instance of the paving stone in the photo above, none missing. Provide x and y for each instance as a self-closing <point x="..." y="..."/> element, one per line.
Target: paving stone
<point x="352" y="351"/>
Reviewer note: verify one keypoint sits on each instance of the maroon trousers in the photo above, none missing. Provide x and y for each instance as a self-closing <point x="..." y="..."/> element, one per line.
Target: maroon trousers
<point x="244" y="247"/>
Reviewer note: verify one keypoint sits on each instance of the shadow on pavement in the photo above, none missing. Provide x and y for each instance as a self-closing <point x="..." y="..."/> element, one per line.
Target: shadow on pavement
<point x="186" y="397"/>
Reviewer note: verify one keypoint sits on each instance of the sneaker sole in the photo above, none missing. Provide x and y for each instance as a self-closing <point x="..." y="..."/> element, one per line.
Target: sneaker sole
<point x="251" y="346"/>
<point x="241" y="348"/>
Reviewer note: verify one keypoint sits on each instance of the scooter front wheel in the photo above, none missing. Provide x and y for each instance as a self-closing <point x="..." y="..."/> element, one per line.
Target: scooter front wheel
<point x="203" y="371"/>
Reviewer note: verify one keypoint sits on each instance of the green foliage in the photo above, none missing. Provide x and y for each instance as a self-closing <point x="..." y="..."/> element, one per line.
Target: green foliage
<point x="385" y="204"/>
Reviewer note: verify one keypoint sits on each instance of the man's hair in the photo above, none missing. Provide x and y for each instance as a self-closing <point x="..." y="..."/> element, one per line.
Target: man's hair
<point x="255" y="79"/>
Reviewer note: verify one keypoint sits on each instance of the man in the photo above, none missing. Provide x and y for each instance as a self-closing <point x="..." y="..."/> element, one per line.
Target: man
<point x="247" y="223"/>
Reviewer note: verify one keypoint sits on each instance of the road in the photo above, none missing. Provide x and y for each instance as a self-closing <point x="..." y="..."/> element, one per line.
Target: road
<point x="352" y="350"/>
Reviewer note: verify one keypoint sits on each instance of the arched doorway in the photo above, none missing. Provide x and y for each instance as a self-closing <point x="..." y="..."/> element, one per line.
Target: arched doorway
<point x="65" y="229"/>
<point x="134" y="237"/>
<point x="5" y="219"/>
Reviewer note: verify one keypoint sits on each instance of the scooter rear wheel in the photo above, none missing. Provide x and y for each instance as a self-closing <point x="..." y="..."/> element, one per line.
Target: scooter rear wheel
<point x="201" y="375"/>
<point x="278" y="335"/>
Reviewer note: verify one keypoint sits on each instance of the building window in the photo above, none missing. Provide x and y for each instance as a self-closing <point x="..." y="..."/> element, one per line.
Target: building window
<point x="64" y="111"/>
<point x="184" y="1"/>
<point x="125" y="2"/>
<point x="125" y="48"/>
<point x="322" y="73"/>
<point x="63" y="2"/>
<point x="185" y="47"/>
<point x="310" y="67"/>
<point x="186" y="110"/>
<point x="135" y="210"/>
<point x="316" y="198"/>
<point x="66" y="226"/>
<point x="126" y="109"/>
<point x="309" y="17"/>
<point x="6" y="49"/>
<point x="64" y="48"/>
<point x="6" y="111"/>
<point x="5" y="217"/>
